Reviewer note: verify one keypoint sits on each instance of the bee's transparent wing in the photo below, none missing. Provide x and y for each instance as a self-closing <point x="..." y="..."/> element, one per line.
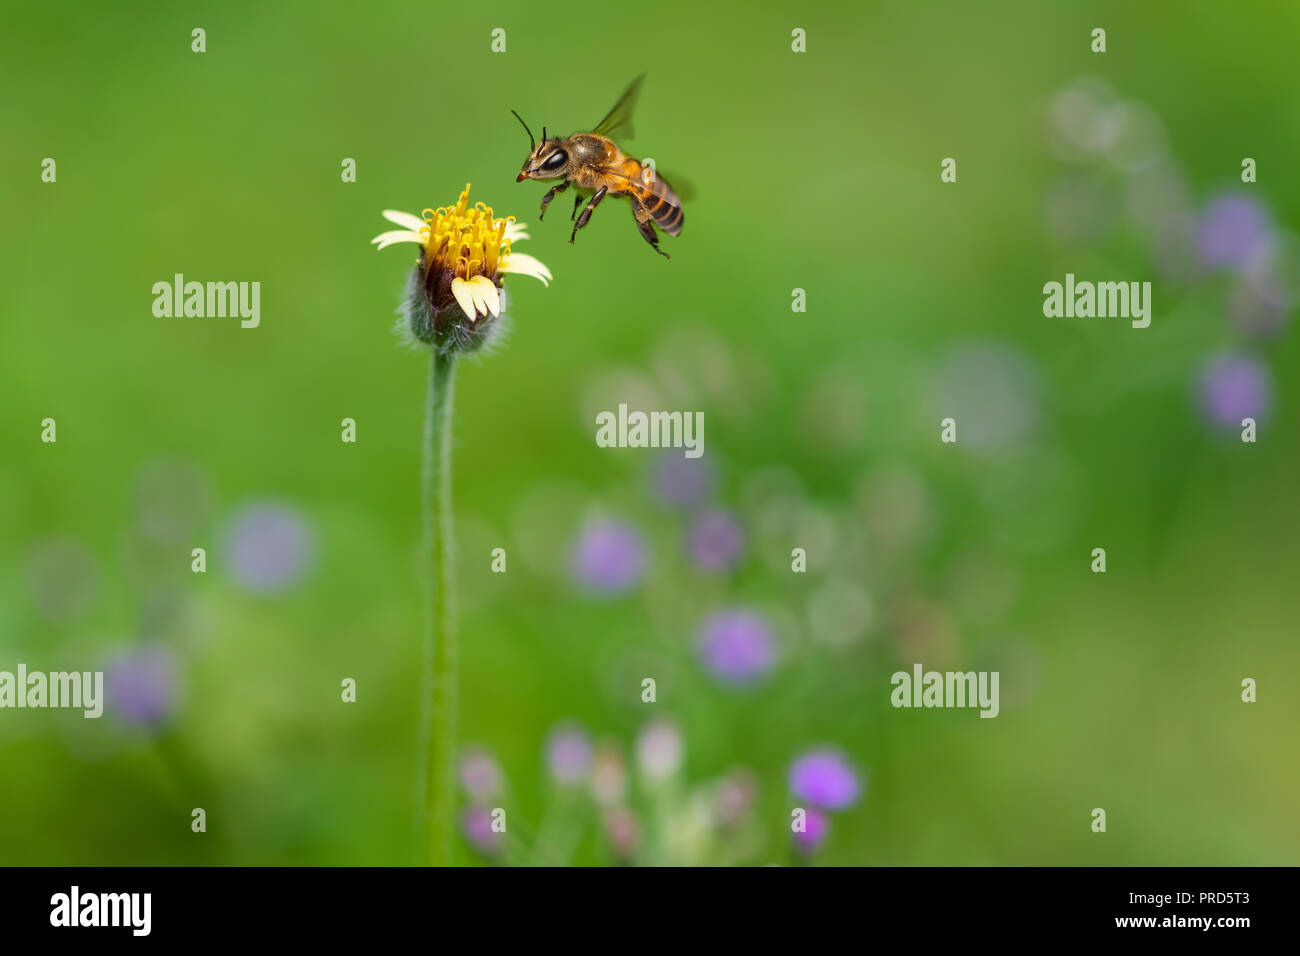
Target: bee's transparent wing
<point x="618" y="123"/>
<point x="684" y="188"/>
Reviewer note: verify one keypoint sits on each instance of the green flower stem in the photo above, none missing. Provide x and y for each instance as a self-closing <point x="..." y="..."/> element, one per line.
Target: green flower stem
<point x="440" y="649"/>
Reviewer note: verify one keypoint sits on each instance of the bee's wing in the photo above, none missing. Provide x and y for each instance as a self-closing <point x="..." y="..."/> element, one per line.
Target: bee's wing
<point x="683" y="186"/>
<point x="619" y="119"/>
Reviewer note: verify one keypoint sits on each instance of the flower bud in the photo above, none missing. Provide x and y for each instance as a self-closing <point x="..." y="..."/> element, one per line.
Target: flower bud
<point x="455" y="297"/>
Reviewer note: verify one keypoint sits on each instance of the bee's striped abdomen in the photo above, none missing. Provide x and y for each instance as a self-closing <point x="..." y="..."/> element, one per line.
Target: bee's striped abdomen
<point x="665" y="209"/>
<point x="653" y="194"/>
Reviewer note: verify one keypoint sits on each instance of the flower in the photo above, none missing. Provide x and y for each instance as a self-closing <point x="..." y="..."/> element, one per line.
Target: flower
<point x="659" y="750"/>
<point x="609" y="557"/>
<point x="840" y="612"/>
<point x="1234" y="387"/>
<point x="608" y="776"/>
<point x="476" y="823"/>
<point x="816" y="826"/>
<point x="568" y="753"/>
<point x="735" y="796"/>
<point x="623" y="832"/>
<point x="680" y="482"/>
<point x="454" y="294"/>
<point x="997" y="389"/>
<point x="824" y="778"/>
<point x="141" y="686"/>
<point x="269" y="546"/>
<point x="480" y="774"/>
<point x="737" y="646"/>
<point x="1231" y="231"/>
<point x="715" y="541"/>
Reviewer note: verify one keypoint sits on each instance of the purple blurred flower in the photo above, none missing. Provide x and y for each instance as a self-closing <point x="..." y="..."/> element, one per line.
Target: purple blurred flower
<point x="476" y="823"/>
<point x="825" y="779"/>
<point x="568" y="753"/>
<point x="480" y="774"/>
<point x="1231" y="231"/>
<point x="268" y="546"/>
<point x="140" y="686"/>
<point x="609" y="557"/>
<point x="1234" y="387"/>
<point x="816" y="826"/>
<point x="715" y="540"/>
<point x="737" y="646"/>
<point x="680" y="481"/>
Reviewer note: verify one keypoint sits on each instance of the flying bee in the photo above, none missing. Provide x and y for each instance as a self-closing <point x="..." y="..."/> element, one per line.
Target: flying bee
<point x="594" y="165"/>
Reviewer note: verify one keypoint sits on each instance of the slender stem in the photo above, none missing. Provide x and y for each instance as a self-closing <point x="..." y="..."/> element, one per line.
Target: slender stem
<point x="440" y="645"/>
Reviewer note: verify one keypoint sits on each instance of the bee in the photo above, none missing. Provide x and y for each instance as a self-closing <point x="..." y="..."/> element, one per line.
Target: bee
<point x="594" y="165"/>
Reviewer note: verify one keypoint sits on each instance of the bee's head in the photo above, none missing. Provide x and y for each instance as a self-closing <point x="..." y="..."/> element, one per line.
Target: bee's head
<point x="547" y="159"/>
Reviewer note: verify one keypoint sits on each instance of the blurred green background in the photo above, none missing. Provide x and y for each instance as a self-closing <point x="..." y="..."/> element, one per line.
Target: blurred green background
<point x="817" y="171"/>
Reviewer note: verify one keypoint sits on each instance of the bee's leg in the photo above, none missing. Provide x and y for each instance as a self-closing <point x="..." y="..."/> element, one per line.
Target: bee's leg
<point x="551" y="194"/>
<point x="586" y="213"/>
<point x="647" y="229"/>
<point x="577" y="201"/>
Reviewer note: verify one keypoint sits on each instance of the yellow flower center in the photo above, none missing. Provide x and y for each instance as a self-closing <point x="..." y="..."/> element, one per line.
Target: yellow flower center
<point x="468" y="240"/>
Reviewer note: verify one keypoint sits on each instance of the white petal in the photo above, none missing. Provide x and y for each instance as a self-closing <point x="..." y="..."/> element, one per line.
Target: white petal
<point x="404" y="219"/>
<point x="485" y="293"/>
<point x="461" y="290"/>
<point x="386" y="239"/>
<point x="516" y="231"/>
<point x="476" y="293"/>
<point x="524" y="264"/>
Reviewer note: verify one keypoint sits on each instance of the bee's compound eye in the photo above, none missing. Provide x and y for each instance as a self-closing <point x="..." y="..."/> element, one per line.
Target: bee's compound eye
<point x="556" y="160"/>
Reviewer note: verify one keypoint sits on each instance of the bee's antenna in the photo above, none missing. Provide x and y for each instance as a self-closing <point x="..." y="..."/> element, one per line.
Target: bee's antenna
<point x="543" y="134"/>
<point x="532" y="143"/>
